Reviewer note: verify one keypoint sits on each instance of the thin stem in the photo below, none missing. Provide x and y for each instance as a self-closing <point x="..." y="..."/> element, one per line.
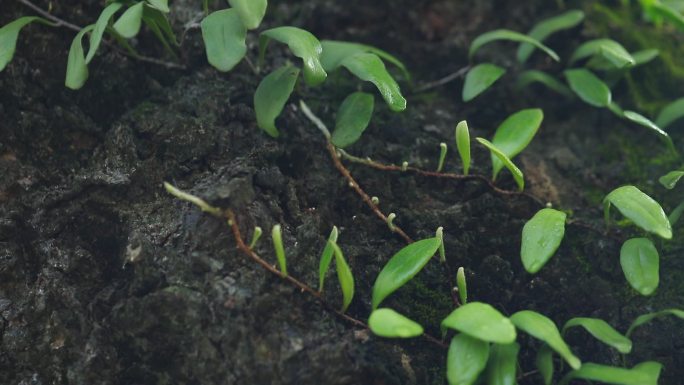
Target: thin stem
<point x="58" y="22"/>
<point x="445" y="80"/>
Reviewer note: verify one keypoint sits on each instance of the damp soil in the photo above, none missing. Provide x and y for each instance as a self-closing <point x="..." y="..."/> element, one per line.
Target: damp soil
<point x="106" y="279"/>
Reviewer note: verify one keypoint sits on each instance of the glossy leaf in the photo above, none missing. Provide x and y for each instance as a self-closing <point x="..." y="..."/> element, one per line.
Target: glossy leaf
<point x="99" y="30"/>
<point x="645" y="373"/>
<point x="669" y="180"/>
<point x="251" y="11"/>
<point x="326" y="258"/>
<point x="352" y="118"/>
<point x="128" y="24"/>
<point x="303" y="45"/>
<point x="545" y="28"/>
<point x="641" y="209"/>
<point x="541" y="237"/>
<point x="334" y="53"/>
<point x="9" y="34"/>
<point x="504" y="34"/>
<point x="646" y="318"/>
<point x="479" y="78"/>
<point x="640" y="264"/>
<point x="161" y="5"/>
<point x="514" y="134"/>
<point x="271" y="95"/>
<point x="77" y="70"/>
<point x="388" y="323"/>
<point x="344" y="277"/>
<point x="369" y="67"/>
<point x="481" y="321"/>
<point x="602" y="331"/>
<point x="462" y="286"/>
<point x="277" y="237"/>
<point x="403" y="266"/>
<point x="517" y="174"/>
<point x="643" y="121"/>
<point x="466" y="359"/>
<point x="609" y="49"/>
<point x="224" y="39"/>
<point x="644" y="56"/>
<point x="544" y="363"/>
<point x="668" y="115"/>
<point x="462" y="135"/>
<point x="502" y="366"/>
<point x="588" y="87"/>
<point x="542" y="328"/>
<point x="534" y="76"/>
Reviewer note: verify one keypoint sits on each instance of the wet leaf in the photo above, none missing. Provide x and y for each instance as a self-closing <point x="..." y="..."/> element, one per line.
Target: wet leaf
<point x="403" y="266"/>
<point x="224" y="39"/>
<point x="517" y="174"/>
<point x="504" y="34"/>
<point x="643" y="121"/>
<point x="542" y="328"/>
<point x="303" y="45"/>
<point x="344" y="277"/>
<point x="602" y="331"/>
<point x="534" y="76"/>
<point x="334" y="53"/>
<point x="671" y="113"/>
<point x="479" y="78"/>
<point x="541" y="237"/>
<point x="77" y="70"/>
<point x="251" y="12"/>
<point x="611" y="50"/>
<point x="502" y="366"/>
<point x="645" y="318"/>
<point x="9" y="34"/>
<point x="99" y="30"/>
<point x="645" y="373"/>
<point x="326" y="258"/>
<point x="128" y="24"/>
<point x="640" y="209"/>
<point x="588" y="87"/>
<point x="546" y="28"/>
<point x="279" y="248"/>
<point x="388" y="323"/>
<point x="481" y="321"/>
<point x="640" y="264"/>
<point x="466" y="359"/>
<point x="271" y="95"/>
<point x="352" y="118"/>
<point x="368" y="67"/>
<point x="514" y="134"/>
<point x="463" y="144"/>
<point x="161" y="5"/>
<point x="544" y="363"/>
<point x="669" y="180"/>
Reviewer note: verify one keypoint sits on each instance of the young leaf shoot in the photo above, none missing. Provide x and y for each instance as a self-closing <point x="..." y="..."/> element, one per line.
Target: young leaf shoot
<point x="541" y="237"/>
<point x="542" y="328"/>
<point x="462" y="135"/>
<point x="388" y="323"/>
<point x="639" y="208"/>
<point x="279" y="248"/>
<point x="481" y="321"/>
<point x="641" y="264"/>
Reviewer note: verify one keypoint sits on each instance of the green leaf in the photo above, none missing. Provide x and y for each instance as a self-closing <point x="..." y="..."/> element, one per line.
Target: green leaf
<point x="251" y="11"/>
<point x="671" y="113"/>
<point x="640" y="209"/>
<point x="645" y="318"/>
<point x="644" y="56"/>
<point x="609" y="49"/>
<point x="224" y="39"/>
<point x="390" y="324"/>
<point x="668" y="13"/>
<point x="546" y="28"/>
<point x="504" y="34"/>
<point x="542" y="328"/>
<point x="517" y="174"/>
<point x="646" y="373"/>
<point x="77" y="70"/>
<point x="279" y="248"/>
<point x="602" y="331"/>
<point x="588" y="87"/>
<point x="466" y="359"/>
<point x="403" y="266"/>
<point x="481" y="321"/>
<point x="544" y="363"/>
<point x="100" y="27"/>
<point x="534" y="76"/>
<point x="352" y="118"/>
<point x="344" y="276"/>
<point x="368" y="67"/>
<point x="161" y="5"/>
<point x="9" y="34"/>
<point x="462" y="285"/>
<point x="643" y="121"/>
<point x="271" y="95"/>
<point x="514" y="134"/>
<point x="128" y="25"/>
<point x="303" y="45"/>
<point x="160" y="26"/>
<point x="334" y="53"/>
<point x="462" y="135"/>
<point x="676" y="214"/>
<point x="502" y="366"/>
<point x="541" y="237"/>
<point x="479" y="78"/>
<point x="669" y="180"/>
<point x="326" y="258"/>
<point x="640" y="263"/>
